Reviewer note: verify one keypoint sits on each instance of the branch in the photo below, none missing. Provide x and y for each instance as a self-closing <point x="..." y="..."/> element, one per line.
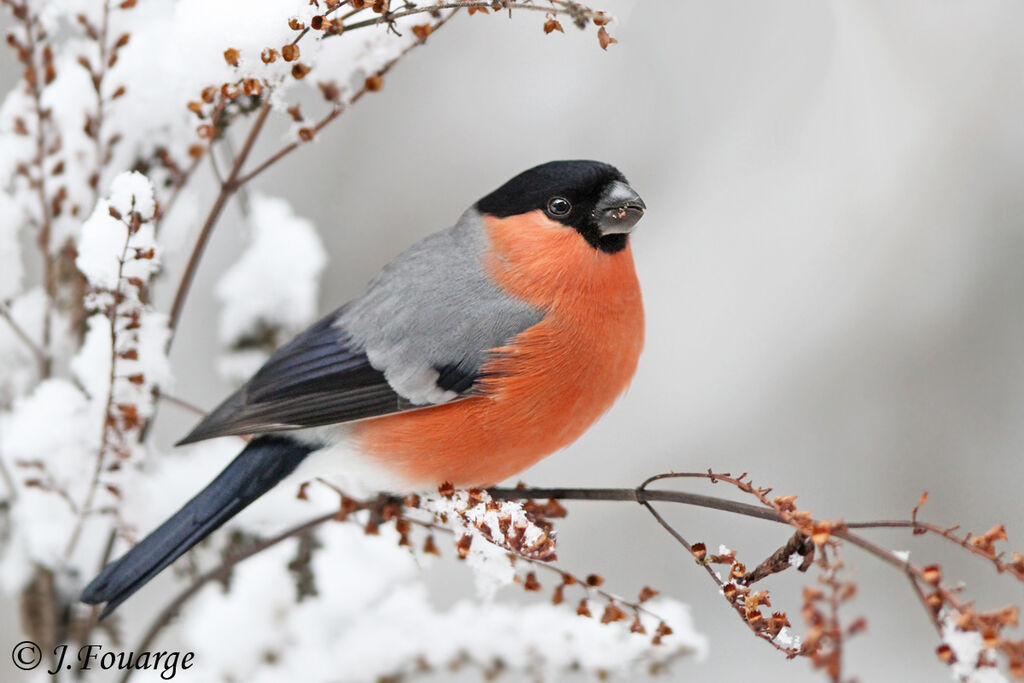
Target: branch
<point x="572" y="9"/>
<point x="811" y="535"/>
<point x="637" y="495"/>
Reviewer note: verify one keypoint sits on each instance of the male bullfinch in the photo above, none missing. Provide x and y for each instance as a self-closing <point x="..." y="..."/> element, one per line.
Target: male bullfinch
<point x="475" y="353"/>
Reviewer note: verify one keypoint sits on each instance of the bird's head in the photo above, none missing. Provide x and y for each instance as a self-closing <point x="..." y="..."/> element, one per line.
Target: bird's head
<point x="590" y="197"/>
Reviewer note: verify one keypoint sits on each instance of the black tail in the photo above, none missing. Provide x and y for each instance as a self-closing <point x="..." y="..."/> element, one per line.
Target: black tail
<point x="257" y="469"/>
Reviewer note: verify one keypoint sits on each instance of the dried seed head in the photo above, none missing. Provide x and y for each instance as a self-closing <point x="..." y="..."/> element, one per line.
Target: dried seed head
<point x="374" y="83"/>
<point x="231" y="56"/>
<point x="300" y="70"/>
<point x="252" y="87"/>
<point x="699" y="551"/>
<point x="462" y="546"/>
<point x="646" y="593"/>
<point x="604" y="39"/>
<point x="785" y="503"/>
<point x="268" y="55"/>
<point x="611" y="614"/>
<point x="330" y="91"/>
<point x="552" y="24"/>
<point x="290" y="52"/>
<point x="421" y="31"/>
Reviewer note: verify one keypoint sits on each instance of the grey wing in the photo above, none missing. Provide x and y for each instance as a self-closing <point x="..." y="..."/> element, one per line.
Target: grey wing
<point x="417" y="337"/>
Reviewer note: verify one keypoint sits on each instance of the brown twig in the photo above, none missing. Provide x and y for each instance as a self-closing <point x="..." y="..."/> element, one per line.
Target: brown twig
<point x="180" y="402"/>
<point x="918" y="527"/>
<point x="637" y="495"/>
<point x="227" y="188"/>
<point x="108" y="405"/>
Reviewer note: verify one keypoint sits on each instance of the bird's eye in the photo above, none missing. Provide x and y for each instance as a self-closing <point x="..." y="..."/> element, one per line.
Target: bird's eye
<point x="559" y="206"/>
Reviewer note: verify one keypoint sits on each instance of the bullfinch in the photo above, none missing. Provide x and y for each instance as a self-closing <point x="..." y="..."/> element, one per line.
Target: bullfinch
<point x="472" y="355"/>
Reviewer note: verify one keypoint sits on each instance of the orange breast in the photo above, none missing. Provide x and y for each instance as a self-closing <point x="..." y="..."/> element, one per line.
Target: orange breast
<point x="542" y="391"/>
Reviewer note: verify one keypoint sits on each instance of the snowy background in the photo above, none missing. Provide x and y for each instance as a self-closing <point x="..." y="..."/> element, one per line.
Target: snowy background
<point x="832" y="263"/>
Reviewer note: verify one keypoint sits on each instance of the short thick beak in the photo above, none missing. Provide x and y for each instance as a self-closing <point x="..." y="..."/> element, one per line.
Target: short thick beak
<point x="619" y="209"/>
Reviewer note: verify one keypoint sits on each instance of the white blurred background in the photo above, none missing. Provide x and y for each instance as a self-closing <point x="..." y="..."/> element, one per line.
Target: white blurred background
<point x="832" y="262"/>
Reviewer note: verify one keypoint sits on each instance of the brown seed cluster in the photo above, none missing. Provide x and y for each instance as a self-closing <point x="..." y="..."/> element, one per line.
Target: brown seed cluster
<point x="524" y="535"/>
<point x="402" y="513"/>
<point x="819" y="541"/>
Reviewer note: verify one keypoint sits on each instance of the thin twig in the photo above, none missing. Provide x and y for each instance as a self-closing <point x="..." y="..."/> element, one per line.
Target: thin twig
<point x="943" y="532"/>
<point x="42" y="358"/>
<point x="390" y="17"/>
<point x="227" y="188"/>
<point x="109" y="405"/>
<point x="180" y="402"/>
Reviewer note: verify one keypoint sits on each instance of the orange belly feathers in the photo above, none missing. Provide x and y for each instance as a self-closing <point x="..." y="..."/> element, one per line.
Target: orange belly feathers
<point x="543" y="390"/>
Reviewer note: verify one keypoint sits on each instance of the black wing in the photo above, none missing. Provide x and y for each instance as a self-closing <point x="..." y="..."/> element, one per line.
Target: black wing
<point x="315" y="379"/>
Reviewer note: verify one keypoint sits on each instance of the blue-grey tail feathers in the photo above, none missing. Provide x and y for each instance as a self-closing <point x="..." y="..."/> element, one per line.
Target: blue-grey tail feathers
<point x="264" y="462"/>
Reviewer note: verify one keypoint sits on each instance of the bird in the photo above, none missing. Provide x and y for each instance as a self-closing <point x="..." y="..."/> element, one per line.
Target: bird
<point x="472" y="355"/>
